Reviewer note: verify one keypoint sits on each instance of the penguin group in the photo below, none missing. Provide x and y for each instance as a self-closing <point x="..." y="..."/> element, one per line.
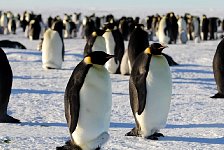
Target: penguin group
<point x="88" y="94"/>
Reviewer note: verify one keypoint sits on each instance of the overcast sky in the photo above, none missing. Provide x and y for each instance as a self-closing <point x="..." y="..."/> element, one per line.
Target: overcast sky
<point x="138" y="4"/>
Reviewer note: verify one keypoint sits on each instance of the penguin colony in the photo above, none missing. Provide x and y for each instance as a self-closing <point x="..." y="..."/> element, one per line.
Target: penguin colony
<point x="87" y="115"/>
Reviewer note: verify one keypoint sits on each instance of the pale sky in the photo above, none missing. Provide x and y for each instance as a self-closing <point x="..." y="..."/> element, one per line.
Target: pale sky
<point x="144" y="4"/>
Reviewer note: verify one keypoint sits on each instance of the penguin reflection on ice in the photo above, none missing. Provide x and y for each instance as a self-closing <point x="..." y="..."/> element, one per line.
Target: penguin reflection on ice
<point x="150" y="89"/>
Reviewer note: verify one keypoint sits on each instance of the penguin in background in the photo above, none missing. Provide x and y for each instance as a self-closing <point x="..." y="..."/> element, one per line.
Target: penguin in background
<point x="204" y="28"/>
<point x="114" y="46"/>
<point x="53" y="47"/>
<point x="88" y="102"/>
<point x="150" y="88"/>
<point x="95" y="42"/>
<point x="4" y="23"/>
<point x="182" y="30"/>
<point x="218" y="64"/>
<point x="6" y="78"/>
<point x="138" y="43"/>
<point x="162" y="32"/>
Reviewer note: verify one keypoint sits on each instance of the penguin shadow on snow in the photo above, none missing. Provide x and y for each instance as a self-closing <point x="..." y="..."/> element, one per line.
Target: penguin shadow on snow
<point x="197" y="80"/>
<point x="44" y="124"/>
<point x="180" y="69"/>
<point x="195" y="139"/>
<point x="121" y="125"/>
<point x="20" y="91"/>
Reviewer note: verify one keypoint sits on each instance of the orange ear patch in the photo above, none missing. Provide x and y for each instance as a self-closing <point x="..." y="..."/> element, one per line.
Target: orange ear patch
<point x="87" y="60"/>
<point x="147" y="50"/>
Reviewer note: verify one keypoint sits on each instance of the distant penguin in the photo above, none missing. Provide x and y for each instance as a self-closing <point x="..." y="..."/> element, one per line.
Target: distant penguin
<point x="88" y="102"/>
<point x="204" y="28"/>
<point x="114" y="46"/>
<point x="34" y="29"/>
<point x="218" y="64"/>
<point x="95" y="42"/>
<point x="150" y="88"/>
<point x="4" y="23"/>
<point x="162" y="32"/>
<point x="182" y="30"/>
<point x="6" y="78"/>
<point x="196" y="32"/>
<point x="88" y="27"/>
<point x="53" y="47"/>
<point x="138" y="43"/>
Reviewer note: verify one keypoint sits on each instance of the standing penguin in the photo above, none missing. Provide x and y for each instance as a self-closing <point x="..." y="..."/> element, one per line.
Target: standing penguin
<point x="150" y="88"/>
<point x="218" y="64"/>
<point x="114" y="46"/>
<point x="163" y="33"/>
<point x="5" y="89"/>
<point x="138" y="43"/>
<point x="53" y="47"/>
<point x="88" y="102"/>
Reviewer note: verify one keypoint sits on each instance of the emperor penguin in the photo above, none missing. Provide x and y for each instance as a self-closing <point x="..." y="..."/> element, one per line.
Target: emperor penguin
<point x="218" y="64"/>
<point x="53" y="47"/>
<point x="138" y="42"/>
<point x="182" y="30"/>
<point x="95" y="42"/>
<point x="150" y="89"/>
<point x="88" y="102"/>
<point x="114" y="46"/>
<point x="163" y="31"/>
<point x="6" y="78"/>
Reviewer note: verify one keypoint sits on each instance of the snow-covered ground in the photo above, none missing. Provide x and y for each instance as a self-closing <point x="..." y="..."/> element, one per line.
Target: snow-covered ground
<point x="195" y="121"/>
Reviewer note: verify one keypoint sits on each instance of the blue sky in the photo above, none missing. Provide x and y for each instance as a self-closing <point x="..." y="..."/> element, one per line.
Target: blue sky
<point x="144" y="4"/>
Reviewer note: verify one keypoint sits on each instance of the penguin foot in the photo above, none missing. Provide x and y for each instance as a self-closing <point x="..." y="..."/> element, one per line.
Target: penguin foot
<point x="155" y="136"/>
<point x="50" y="68"/>
<point x="158" y="134"/>
<point x="133" y="132"/>
<point x="68" y="146"/>
<point x="8" y="119"/>
<point x="218" y="95"/>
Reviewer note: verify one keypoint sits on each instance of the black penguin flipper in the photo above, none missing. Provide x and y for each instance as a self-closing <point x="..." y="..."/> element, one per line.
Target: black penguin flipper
<point x="138" y="83"/>
<point x="170" y="60"/>
<point x="71" y="98"/>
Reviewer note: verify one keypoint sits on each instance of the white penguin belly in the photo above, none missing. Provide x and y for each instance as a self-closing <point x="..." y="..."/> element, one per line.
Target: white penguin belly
<point x="111" y="65"/>
<point x="52" y="50"/>
<point x="95" y="108"/>
<point x="159" y="91"/>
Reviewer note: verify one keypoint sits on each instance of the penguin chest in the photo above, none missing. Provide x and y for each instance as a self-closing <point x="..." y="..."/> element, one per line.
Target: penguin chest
<point x="95" y="106"/>
<point x="158" y="97"/>
<point x="111" y="65"/>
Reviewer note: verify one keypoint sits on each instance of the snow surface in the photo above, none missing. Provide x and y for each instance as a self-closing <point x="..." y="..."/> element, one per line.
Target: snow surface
<point x="195" y="121"/>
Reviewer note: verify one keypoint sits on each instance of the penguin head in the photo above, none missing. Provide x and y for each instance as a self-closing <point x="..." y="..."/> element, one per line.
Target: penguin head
<point x="155" y="49"/>
<point x="98" y="32"/>
<point x="97" y="58"/>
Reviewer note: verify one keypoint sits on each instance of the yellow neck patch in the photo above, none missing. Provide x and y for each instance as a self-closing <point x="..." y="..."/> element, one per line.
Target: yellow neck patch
<point x="87" y="60"/>
<point x="94" y="34"/>
<point x="147" y="50"/>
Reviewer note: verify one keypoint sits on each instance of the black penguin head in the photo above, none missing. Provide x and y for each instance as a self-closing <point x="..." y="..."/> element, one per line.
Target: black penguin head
<point x="155" y="49"/>
<point x="98" y="32"/>
<point x="97" y="57"/>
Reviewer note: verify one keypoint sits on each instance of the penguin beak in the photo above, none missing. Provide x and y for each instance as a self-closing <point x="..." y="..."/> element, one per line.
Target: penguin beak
<point x="162" y="47"/>
<point x="110" y="56"/>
